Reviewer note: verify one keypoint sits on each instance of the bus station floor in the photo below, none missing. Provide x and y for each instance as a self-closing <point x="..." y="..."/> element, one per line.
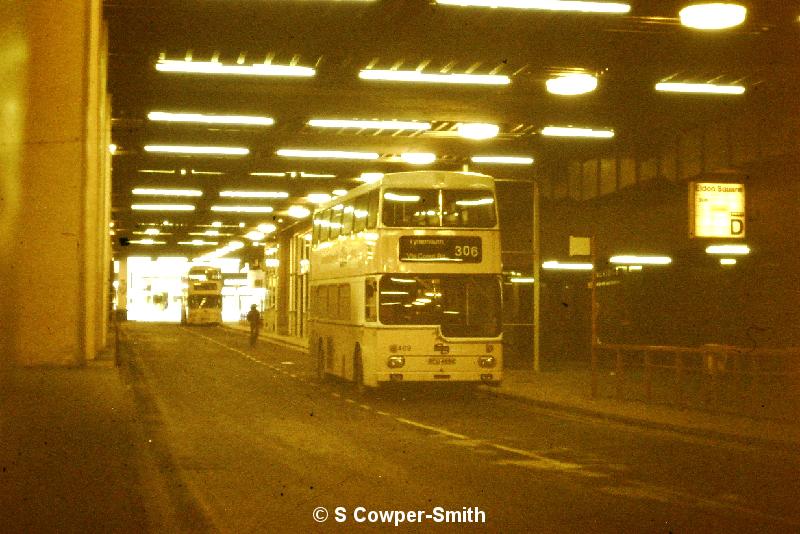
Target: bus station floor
<point x="77" y="453"/>
<point x="568" y="389"/>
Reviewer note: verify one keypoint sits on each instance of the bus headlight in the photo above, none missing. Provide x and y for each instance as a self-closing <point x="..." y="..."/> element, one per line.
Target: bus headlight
<point x="395" y="362"/>
<point x="487" y="361"/>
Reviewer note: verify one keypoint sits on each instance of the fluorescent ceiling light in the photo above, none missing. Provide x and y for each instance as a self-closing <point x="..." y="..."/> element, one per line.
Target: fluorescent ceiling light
<point x="298" y="212"/>
<point x="508" y="160"/>
<point x="112" y="148"/>
<point x="214" y="67"/>
<point x="702" y="88"/>
<point x="339" y="192"/>
<point x="146" y="242"/>
<point x="548" y="5"/>
<point x="727" y="249"/>
<point x="325" y="154"/>
<point x="727" y="261"/>
<point x="274" y="174"/>
<point x="368" y="124"/>
<point x="168" y="192"/>
<point x="162" y="207"/>
<point x="557" y="265"/>
<point x="210" y="119"/>
<point x="216" y="150"/>
<point x="313" y="175"/>
<point x="521" y="280"/>
<point x="476" y="202"/>
<point x="571" y="84"/>
<point x="713" y="16"/>
<point x="242" y="209"/>
<point x="216" y="224"/>
<point x="207" y="173"/>
<point x="421" y="77"/>
<point x="561" y="131"/>
<point x="156" y="171"/>
<point x="418" y="158"/>
<point x="318" y="198"/>
<point x="152" y="231"/>
<point x="254" y="194"/>
<point x="197" y="242"/>
<point x="478" y="130"/>
<point x="267" y="228"/>
<point x="641" y="260"/>
<point x="254" y="235"/>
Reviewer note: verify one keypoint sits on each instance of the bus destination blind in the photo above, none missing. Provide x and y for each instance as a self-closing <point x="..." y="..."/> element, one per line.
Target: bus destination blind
<point x="464" y="249"/>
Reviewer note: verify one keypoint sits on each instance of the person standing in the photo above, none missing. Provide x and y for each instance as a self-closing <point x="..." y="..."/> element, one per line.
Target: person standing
<point x="254" y="318"/>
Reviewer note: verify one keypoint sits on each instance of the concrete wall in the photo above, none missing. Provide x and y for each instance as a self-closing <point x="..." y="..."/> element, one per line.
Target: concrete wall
<point x="55" y="196"/>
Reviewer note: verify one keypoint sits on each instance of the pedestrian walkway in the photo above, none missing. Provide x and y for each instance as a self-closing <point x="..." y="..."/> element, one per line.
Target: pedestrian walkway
<point x="69" y="452"/>
<point x="569" y="389"/>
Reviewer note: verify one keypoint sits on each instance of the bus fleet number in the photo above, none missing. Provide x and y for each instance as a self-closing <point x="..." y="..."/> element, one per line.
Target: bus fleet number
<point x="467" y="251"/>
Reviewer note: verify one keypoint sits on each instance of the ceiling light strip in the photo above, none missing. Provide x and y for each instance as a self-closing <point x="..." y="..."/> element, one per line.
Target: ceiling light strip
<point x="201" y="118"/>
<point x="568" y="131"/>
<point x="545" y="5"/>
<point x="211" y="150"/>
<point x="325" y="154"/>
<point x="700" y="88"/>
<point x="421" y="77"/>
<point x="216" y="68"/>
<point x="369" y="124"/>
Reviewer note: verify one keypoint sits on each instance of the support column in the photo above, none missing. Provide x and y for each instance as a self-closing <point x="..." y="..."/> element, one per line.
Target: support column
<point x="54" y="127"/>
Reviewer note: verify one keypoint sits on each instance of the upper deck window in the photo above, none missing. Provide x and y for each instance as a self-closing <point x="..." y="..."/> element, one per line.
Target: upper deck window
<point x="448" y="208"/>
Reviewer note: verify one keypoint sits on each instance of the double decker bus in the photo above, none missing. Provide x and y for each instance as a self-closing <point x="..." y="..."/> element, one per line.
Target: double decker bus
<point x="405" y="279"/>
<point x="202" y="296"/>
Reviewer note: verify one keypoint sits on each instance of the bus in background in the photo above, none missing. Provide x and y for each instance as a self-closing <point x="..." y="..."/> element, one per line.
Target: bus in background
<point x="405" y="278"/>
<point x="202" y="296"/>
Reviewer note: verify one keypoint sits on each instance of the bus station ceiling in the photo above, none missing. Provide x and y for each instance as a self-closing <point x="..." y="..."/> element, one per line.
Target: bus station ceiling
<point x="628" y="53"/>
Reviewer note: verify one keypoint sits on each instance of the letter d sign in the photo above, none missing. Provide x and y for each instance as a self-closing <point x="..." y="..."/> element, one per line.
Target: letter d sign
<point x="737" y="226"/>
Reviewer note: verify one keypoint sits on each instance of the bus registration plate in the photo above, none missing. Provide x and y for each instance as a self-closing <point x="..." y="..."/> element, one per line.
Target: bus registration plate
<point x="464" y="249"/>
<point x="441" y="361"/>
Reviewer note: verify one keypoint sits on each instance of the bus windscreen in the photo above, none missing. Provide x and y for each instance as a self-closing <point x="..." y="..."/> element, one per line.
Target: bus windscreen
<point x="455" y="208"/>
<point x="463" y="305"/>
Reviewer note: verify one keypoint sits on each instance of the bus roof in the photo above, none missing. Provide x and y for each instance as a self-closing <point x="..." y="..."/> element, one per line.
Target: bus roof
<point x="417" y="179"/>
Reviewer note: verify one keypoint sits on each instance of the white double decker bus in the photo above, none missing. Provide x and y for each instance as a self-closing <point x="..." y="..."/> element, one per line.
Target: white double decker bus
<point x="405" y="281"/>
<point x="202" y="296"/>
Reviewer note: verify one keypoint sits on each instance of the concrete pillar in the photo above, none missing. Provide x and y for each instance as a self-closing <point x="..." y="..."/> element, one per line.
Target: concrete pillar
<point x="54" y="203"/>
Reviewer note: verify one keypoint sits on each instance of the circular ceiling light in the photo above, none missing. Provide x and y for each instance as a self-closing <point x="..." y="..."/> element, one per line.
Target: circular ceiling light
<point x="713" y="16"/>
<point x="418" y="158"/>
<point x="571" y="84"/>
<point x="478" y="130"/>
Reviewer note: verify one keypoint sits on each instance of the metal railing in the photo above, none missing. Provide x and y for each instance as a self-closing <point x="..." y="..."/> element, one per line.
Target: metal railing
<point x="718" y="377"/>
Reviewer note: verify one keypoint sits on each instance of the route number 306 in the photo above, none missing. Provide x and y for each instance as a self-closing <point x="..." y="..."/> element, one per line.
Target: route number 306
<point x="466" y="251"/>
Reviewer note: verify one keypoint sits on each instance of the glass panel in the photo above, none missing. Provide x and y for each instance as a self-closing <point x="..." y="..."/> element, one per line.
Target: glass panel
<point x="372" y="210"/>
<point x="464" y="305"/>
<point x="360" y="213"/>
<point x="347" y="219"/>
<point x="336" y="221"/>
<point x="411" y="207"/>
<point x="205" y="301"/>
<point x="468" y="208"/>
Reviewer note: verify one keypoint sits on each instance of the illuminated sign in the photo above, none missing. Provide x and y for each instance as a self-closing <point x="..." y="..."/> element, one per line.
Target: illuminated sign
<point x="466" y="249"/>
<point x="716" y="210"/>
